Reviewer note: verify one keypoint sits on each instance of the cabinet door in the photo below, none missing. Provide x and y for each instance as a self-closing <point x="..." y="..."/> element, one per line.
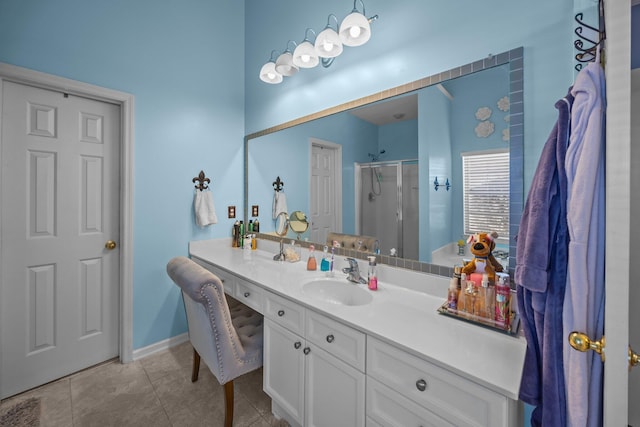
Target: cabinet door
<point x="284" y="369"/>
<point x="335" y="391"/>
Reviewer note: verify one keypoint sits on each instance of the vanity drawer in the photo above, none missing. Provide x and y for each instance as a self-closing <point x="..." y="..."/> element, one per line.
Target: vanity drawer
<point x="249" y="294"/>
<point x="460" y="401"/>
<point x="344" y="342"/>
<point x="387" y="408"/>
<point x="284" y="312"/>
<point x="228" y="280"/>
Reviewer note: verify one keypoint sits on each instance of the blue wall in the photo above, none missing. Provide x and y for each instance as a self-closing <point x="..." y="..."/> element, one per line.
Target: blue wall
<point x="412" y="39"/>
<point x="399" y="140"/>
<point x="189" y="115"/>
<point x="470" y="93"/>
<point x="434" y="161"/>
<point x="287" y="154"/>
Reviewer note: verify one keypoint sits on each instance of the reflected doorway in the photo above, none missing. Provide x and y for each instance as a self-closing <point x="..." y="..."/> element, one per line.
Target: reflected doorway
<point x="387" y="205"/>
<point x="325" y="198"/>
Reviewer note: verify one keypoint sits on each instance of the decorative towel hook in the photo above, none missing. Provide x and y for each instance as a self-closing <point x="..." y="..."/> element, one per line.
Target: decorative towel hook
<point x="437" y="185"/>
<point x="203" y="181"/>
<point x="590" y="51"/>
<point x="278" y="185"/>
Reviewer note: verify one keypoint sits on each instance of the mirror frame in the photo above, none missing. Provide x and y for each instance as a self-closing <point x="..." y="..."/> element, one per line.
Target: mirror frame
<point x="515" y="59"/>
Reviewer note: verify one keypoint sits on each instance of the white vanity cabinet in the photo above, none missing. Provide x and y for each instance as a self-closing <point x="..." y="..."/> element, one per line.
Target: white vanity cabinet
<point x="427" y="392"/>
<point x="313" y="366"/>
<point x="244" y="291"/>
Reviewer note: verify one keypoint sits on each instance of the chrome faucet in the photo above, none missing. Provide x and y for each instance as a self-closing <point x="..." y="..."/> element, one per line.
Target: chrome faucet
<point x="353" y="271"/>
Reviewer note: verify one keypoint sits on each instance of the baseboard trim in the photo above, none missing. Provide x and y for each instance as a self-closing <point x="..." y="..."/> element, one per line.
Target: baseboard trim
<point x="160" y="346"/>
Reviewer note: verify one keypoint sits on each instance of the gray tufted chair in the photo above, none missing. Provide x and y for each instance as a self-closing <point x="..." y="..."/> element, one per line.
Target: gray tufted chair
<point x="226" y="335"/>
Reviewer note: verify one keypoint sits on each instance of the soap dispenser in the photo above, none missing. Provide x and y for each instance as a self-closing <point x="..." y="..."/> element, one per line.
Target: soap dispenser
<point x="312" y="265"/>
<point x="324" y="263"/>
<point x="372" y="274"/>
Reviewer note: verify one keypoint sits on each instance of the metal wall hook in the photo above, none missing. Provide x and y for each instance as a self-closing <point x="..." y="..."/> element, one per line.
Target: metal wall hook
<point x="202" y="181"/>
<point x="278" y="184"/>
<point x="437" y="185"/>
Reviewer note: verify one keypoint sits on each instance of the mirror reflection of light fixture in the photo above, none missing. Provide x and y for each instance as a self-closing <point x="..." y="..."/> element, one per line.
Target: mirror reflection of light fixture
<point x="355" y="30"/>
<point x="284" y="63"/>
<point x="268" y="73"/>
<point x="305" y="55"/>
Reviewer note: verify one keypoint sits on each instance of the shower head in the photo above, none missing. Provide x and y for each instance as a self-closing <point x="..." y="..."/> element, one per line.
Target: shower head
<point x="375" y="157"/>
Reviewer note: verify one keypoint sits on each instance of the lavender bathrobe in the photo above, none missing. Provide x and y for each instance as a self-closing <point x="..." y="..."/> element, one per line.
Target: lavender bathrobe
<point x="540" y="276"/>
<point x="584" y="295"/>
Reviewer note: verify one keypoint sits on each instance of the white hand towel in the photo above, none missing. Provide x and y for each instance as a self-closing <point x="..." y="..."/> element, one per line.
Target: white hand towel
<point x="279" y="203"/>
<point x="204" y="208"/>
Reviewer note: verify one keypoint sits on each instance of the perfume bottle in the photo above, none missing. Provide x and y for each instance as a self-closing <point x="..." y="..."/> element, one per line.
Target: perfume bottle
<point x="312" y="265"/>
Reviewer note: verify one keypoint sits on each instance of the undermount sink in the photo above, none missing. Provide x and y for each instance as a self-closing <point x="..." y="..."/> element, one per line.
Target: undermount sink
<point x="337" y="291"/>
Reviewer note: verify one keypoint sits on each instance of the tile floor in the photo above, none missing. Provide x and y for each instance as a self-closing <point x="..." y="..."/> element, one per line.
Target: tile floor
<point x="154" y="391"/>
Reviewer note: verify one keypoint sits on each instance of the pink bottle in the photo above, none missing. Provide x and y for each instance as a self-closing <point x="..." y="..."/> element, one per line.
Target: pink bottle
<point x="373" y="278"/>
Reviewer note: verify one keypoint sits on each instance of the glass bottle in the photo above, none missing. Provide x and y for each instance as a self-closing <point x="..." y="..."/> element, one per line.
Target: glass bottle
<point x="312" y="264"/>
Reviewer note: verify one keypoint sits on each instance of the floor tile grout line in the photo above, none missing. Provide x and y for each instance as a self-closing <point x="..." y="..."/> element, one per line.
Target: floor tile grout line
<point x="155" y="393"/>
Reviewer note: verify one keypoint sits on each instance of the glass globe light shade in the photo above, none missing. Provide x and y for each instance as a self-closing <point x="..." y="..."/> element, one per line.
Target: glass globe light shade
<point x="268" y="73"/>
<point x="328" y="44"/>
<point x="284" y="64"/>
<point x="355" y="30"/>
<point x="305" y="55"/>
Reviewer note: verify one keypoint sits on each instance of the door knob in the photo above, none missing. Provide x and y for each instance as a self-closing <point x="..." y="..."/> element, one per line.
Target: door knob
<point x="634" y="358"/>
<point x="110" y="245"/>
<point x="582" y="342"/>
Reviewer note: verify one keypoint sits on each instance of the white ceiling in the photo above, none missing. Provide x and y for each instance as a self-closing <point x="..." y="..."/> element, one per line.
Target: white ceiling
<point x="389" y="111"/>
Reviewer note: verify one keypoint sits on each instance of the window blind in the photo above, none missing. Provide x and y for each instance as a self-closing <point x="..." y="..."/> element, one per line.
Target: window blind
<point x="486" y="192"/>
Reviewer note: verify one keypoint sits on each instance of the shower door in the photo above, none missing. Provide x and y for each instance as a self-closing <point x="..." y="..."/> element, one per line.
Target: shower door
<point x="387" y="205"/>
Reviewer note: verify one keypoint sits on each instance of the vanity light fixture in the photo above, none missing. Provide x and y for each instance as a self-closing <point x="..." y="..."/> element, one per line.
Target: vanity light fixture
<point x="355" y="30"/>
<point x="305" y="56"/>
<point x="268" y="73"/>
<point x="284" y="63"/>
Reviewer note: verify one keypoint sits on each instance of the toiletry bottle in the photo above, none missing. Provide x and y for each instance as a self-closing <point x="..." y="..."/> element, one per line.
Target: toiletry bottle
<point x="372" y="274"/>
<point x="324" y="263"/>
<point x="256" y="226"/>
<point x="479" y="307"/>
<point x="333" y="251"/>
<point x="489" y="299"/>
<point x="250" y="226"/>
<point x="241" y="240"/>
<point x="235" y="232"/>
<point x="503" y="301"/>
<point x="462" y="295"/>
<point x="471" y="297"/>
<point x="312" y="265"/>
<point x="254" y="242"/>
<point x="452" y="295"/>
<point x="247" y="242"/>
<point x="457" y="271"/>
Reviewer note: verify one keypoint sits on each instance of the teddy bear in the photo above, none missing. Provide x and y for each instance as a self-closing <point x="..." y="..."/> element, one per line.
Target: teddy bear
<point x="481" y="246"/>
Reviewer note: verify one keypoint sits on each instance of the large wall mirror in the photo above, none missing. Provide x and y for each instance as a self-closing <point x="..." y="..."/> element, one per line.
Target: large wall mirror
<point x="416" y="168"/>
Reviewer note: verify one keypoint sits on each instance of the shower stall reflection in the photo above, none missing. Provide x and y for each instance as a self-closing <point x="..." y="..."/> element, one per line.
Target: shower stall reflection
<point x="387" y="205"/>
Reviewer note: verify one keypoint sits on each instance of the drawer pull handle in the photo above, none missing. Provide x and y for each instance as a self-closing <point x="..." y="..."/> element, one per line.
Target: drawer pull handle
<point x="280" y="313"/>
<point x="246" y="294"/>
<point x="330" y="338"/>
<point x="306" y="350"/>
<point x="297" y="345"/>
<point x="421" y="385"/>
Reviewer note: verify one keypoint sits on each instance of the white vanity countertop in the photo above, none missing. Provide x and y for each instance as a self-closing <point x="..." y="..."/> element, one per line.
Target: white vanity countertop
<point x="397" y="314"/>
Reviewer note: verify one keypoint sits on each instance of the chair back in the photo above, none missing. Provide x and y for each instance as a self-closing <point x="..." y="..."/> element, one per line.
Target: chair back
<point x="212" y="329"/>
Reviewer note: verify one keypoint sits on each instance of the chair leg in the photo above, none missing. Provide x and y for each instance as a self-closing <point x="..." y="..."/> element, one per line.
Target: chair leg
<point x="196" y="366"/>
<point x="228" y="402"/>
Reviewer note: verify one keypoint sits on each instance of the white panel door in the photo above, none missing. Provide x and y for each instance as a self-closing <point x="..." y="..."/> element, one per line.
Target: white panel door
<point x="323" y="193"/>
<point x="60" y="285"/>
